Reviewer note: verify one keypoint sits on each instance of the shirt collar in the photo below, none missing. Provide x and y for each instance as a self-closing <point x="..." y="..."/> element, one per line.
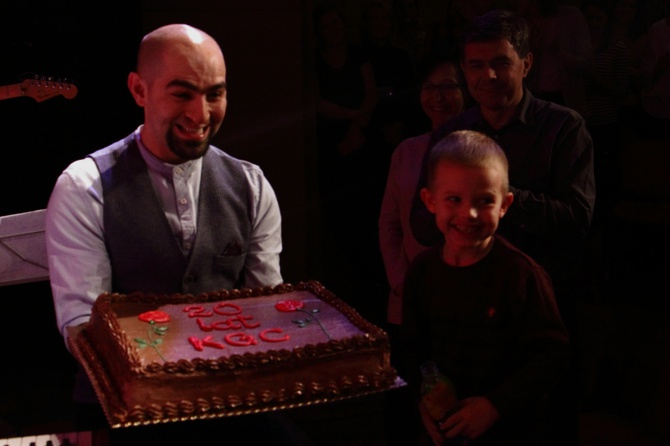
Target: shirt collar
<point x="525" y="113"/>
<point x="162" y="168"/>
<point x="524" y="116"/>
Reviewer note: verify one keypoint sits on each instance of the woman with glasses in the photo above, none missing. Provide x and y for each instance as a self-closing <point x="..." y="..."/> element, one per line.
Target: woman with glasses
<point x="442" y="96"/>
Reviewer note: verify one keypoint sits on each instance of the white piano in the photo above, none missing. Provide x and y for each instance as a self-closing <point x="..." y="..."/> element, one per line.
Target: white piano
<point x="23" y="256"/>
<point x="85" y="438"/>
<point x="23" y="259"/>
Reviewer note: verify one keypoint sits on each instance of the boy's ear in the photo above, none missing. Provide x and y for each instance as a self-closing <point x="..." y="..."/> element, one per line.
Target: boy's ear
<point x="428" y="199"/>
<point x="508" y="198"/>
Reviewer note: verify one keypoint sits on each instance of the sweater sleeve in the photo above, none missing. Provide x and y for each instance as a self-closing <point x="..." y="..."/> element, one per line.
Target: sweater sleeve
<point x="545" y="340"/>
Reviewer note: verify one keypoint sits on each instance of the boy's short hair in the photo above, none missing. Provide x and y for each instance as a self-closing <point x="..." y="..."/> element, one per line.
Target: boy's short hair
<point x="499" y="24"/>
<point x="468" y="148"/>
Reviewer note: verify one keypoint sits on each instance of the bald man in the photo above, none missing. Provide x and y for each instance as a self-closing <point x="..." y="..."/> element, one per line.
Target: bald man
<point x="162" y="210"/>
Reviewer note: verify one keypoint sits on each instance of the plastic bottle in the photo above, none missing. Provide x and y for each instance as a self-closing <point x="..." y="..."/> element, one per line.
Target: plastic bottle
<point x="437" y="392"/>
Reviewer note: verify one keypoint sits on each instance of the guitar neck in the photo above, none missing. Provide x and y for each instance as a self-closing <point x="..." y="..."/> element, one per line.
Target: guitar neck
<point x="40" y="89"/>
<point x="10" y="91"/>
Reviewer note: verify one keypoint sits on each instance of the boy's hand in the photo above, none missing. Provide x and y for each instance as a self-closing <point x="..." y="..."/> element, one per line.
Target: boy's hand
<point x="431" y="426"/>
<point x="475" y="416"/>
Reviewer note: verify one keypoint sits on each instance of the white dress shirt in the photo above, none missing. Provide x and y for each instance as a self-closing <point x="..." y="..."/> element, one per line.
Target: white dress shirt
<point x="79" y="266"/>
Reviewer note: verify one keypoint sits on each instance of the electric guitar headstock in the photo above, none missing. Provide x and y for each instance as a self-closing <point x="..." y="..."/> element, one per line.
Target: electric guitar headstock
<point x="39" y="88"/>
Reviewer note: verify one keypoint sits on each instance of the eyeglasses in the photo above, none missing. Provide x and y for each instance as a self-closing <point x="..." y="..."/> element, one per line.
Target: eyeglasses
<point x="442" y="88"/>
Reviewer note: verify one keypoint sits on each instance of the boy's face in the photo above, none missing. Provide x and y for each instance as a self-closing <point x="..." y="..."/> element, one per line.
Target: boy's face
<point x="468" y="203"/>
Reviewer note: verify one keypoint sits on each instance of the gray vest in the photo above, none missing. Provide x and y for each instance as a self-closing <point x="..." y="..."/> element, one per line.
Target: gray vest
<point x="144" y="254"/>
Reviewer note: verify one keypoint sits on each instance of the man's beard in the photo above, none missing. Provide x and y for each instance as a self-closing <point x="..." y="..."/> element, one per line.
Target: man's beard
<point x="187" y="150"/>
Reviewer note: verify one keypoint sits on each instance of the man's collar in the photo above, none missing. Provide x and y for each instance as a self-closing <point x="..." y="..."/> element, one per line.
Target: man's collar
<point x="524" y="114"/>
<point x="163" y="168"/>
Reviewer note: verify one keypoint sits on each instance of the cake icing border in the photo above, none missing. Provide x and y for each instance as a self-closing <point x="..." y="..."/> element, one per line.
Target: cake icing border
<point x="264" y="400"/>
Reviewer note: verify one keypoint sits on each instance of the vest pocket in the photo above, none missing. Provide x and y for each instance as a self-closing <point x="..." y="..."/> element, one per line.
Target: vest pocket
<point x="229" y="266"/>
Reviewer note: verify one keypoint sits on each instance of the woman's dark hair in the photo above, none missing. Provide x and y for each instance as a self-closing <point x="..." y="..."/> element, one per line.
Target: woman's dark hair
<point x="431" y="63"/>
<point x="427" y="65"/>
<point x="320" y="11"/>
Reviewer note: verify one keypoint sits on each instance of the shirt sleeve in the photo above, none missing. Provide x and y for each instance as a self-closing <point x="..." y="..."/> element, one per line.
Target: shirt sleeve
<point x="544" y="338"/>
<point x="565" y="209"/>
<point x="79" y="267"/>
<point x="390" y="228"/>
<point x="262" y="266"/>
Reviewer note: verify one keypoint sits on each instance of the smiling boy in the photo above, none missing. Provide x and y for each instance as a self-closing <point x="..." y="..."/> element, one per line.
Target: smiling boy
<point x="479" y="307"/>
<point x="469" y="193"/>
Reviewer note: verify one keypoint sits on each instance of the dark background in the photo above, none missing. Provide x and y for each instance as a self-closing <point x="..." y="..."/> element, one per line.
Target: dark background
<point x="89" y="44"/>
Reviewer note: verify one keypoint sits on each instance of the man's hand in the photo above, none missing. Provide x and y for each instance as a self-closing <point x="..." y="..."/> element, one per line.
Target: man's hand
<point x="352" y="141"/>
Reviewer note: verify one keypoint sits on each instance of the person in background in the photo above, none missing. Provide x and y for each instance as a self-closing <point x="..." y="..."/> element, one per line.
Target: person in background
<point x="162" y="210"/>
<point x="348" y="160"/>
<point x="410" y="28"/>
<point x="447" y="28"/>
<point x="629" y="27"/>
<point x="394" y="117"/>
<point x="442" y="97"/>
<point x="561" y="48"/>
<point x="347" y="96"/>
<point x="608" y="83"/>
<point x="394" y="74"/>
<point x="655" y="70"/>
<point x="480" y="308"/>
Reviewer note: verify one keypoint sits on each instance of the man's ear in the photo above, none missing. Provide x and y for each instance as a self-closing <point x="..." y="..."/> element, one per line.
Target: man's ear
<point x="137" y="88"/>
<point x="527" y="64"/>
<point x="428" y="199"/>
<point x="506" y="203"/>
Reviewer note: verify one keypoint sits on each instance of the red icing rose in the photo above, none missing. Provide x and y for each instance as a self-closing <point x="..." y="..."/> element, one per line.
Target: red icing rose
<point x="155" y="316"/>
<point x="287" y="306"/>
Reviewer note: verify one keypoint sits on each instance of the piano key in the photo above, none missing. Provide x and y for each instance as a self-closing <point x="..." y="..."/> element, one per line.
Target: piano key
<point x="41" y="440"/>
<point x="29" y="440"/>
<point x="71" y="439"/>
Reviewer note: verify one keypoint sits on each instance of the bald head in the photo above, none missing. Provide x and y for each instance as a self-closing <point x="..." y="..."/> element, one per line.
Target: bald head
<point x="180" y="83"/>
<point x="169" y="38"/>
